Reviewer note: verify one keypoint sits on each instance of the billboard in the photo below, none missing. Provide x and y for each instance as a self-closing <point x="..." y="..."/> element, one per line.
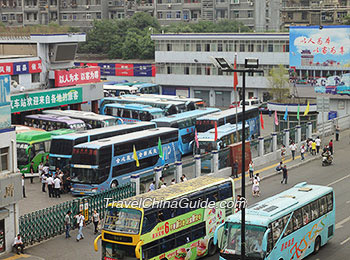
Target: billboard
<point x="71" y="77"/>
<point x="5" y="109"/>
<point x="16" y="68"/>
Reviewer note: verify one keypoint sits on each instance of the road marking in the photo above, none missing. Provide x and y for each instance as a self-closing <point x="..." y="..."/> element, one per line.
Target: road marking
<point x="340" y="224"/>
<point x="346" y="240"/>
<point x="348" y="202"/>
<point x="17" y="257"/>
<point x="334" y="182"/>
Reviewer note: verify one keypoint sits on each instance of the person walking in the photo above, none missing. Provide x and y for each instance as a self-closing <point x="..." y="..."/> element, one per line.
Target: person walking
<point x="43" y="178"/>
<point x="152" y="186"/>
<point x="318" y="144"/>
<point x="337" y="130"/>
<point x="302" y="151"/>
<point x="67" y="223"/>
<point x="50" y="183"/>
<point x="283" y="152"/>
<point x="235" y="169"/>
<point x="184" y="178"/>
<point x="256" y="187"/>
<point x="81" y="222"/>
<point x="161" y="182"/>
<point x="313" y="147"/>
<point x="31" y="170"/>
<point x="173" y="181"/>
<point x="285" y="174"/>
<point x="96" y="220"/>
<point x="293" y="148"/>
<point x="330" y="146"/>
<point x="310" y="146"/>
<point x="41" y="168"/>
<point x="57" y="186"/>
<point x="23" y="187"/>
<point x="251" y="170"/>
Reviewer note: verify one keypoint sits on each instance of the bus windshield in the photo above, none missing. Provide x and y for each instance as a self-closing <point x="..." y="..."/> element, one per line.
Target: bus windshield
<point x="89" y="176"/>
<point x="231" y="240"/>
<point x="123" y="220"/>
<point x="22" y="156"/>
<point x="206" y="146"/>
<point x="204" y="125"/>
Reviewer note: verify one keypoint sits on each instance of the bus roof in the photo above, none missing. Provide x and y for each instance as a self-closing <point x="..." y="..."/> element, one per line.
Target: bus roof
<point x="56" y="118"/>
<point x="31" y="136"/>
<point x="147" y="100"/>
<point x="267" y="210"/>
<point x="222" y="131"/>
<point x="185" y="115"/>
<point x="144" y="84"/>
<point x="177" y="190"/>
<point x="24" y="128"/>
<point x="142" y="107"/>
<point x="170" y="97"/>
<point x="126" y="137"/>
<point x="78" y="114"/>
<point x="62" y="131"/>
<point x="97" y="131"/>
<point x="119" y="87"/>
<point x="225" y="113"/>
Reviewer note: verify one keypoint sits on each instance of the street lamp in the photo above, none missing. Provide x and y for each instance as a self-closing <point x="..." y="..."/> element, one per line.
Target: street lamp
<point x="251" y="66"/>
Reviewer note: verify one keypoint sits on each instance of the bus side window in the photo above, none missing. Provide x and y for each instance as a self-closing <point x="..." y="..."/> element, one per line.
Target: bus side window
<point x="212" y="194"/>
<point x="196" y="199"/>
<point x="182" y="209"/>
<point x="289" y="228"/>
<point x="277" y="228"/>
<point x="323" y="205"/>
<point x="149" y="221"/>
<point x="225" y="191"/>
<point x="306" y="214"/>
<point x="47" y="146"/>
<point x="39" y="147"/>
<point x="135" y="114"/>
<point x="297" y="219"/>
<point x="167" y="243"/>
<point x="315" y="210"/>
<point x="329" y="202"/>
<point x="269" y="240"/>
<point x="151" y="250"/>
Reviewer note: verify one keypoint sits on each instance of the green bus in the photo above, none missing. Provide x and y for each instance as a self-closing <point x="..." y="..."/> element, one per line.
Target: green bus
<point x="34" y="146"/>
<point x="174" y="223"/>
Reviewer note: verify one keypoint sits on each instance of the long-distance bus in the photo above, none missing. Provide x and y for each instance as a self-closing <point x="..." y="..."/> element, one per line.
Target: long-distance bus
<point x="128" y="113"/>
<point x="53" y="122"/>
<point x="62" y="146"/>
<point x="118" y="90"/>
<point x="226" y="135"/>
<point x="185" y="122"/>
<point x="207" y="122"/>
<point x="34" y="146"/>
<point x="106" y="163"/>
<point x="153" y="230"/>
<point x="92" y="120"/>
<point x="290" y="225"/>
<point x="23" y="128"/>
<point x="147" y="88"/>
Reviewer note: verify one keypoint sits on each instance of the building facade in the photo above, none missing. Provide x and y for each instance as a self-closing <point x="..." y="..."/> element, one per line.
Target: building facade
<point x="10" y="179"/>
<point x="259" y="15"/>
<point x="184" y="64"/>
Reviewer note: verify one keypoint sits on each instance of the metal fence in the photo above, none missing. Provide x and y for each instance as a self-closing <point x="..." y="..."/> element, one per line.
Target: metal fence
<point x="267" y="144"/>
<point x="254" y="148"/>
<point x="47" y="223"/>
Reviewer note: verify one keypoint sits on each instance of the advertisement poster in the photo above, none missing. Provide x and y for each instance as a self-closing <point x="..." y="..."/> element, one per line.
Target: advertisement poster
<point x="5" y="110"/>
<point x="73" y="77"/>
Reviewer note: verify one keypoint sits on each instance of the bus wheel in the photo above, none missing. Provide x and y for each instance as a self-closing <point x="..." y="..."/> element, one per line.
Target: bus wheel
<point x="317" y="245"/>
<point x="114" y="184"/>
<point x="211" y="248"/>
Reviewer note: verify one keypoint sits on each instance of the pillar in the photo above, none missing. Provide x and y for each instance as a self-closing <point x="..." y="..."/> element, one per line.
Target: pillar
<point x="158" y="174"/>
<point x="286" y="137"/>
<point x="78" y="106"/>
<point x="298" y="134"/>
<point x="215" y="155"/>
<point x="261" y="146"/>
<point x="94" y="106"/>
<point x="135" y="178"/>
<point x="274" y="142"/>
<point x="178" y="172"/>
<point x="309" y="130"/>
<point x="197" y="159"/>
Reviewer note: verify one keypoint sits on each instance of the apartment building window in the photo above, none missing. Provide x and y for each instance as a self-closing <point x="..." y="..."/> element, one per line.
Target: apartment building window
<point x="4" y="159"/>
<point x="199" y="71"/>
<point x="98" y="2"/>
<point x="207" y="47"/>
<point x="251" y="47"/>
<point x="160" y="1"/>
<point x="219" y="46"/>
<point x="228" y="47"/>
<point x="250" y="14"/>
<point x="169" y="47"/>
<point x="88" y="2"/>
<point x="98" y="16"/>
<point x="242" y="47"/>
<point x="234" y="1"/>
<point x="169" y="1"/>
<point x="88" y="16"/>
<point x="303" y="15"/>
<point x="270" y="47"/>
<point x="35" y="77"/>
<point x="160" y="15"/>
<point x="53" y="2"/>
<point x="27" y="16"/>
<point x="35" y="16"/>
<point x="168" y="70"/>
<point x="290" y="15"/>
<point x="168" y="15"/>
<point x="198" y="47"/>
<point x="185" y="15"/>
<point x="187" y="47"/>
<point x="267" y="14"/>
<point x="19" y="3"/>
<point x="74" y="16"/>
<point x="178" y="15"/>
<point x="207" y="70"/>
<point x="187" y="70"/>
<point x="220" y="72"/>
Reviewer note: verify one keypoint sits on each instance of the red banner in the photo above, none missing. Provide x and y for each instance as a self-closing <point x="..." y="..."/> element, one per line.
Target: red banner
<point x="124" y="69"/>
<point x="73" y="77"/>
<point x="154" y="70"/>
<point x="6" y="68"/>
<point x="35" y="66"/>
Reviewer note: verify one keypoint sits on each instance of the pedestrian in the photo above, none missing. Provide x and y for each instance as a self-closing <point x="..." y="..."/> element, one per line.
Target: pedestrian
<point x="279" y="167"/>
<point x="330" y="146"/>
<point x="152" y="186"/>
<point x="310" y="146"/>
<point x="161" y="182"/>
<point x="251" y="170"/>
<point x="96" y="220"/>
<point x="50" y="183"/>
<point x="257" y="177"/>
<point x="67" y="223"/>
<point x="23" y="187"/>
<point x="238" y="203"/>
<point x="293" y="148"/>
<point x="163" y="185"/>
<point x="43" y="178"/>
<point x="235" y="169"/>
<point x="18" y="244"/>
<point x="81" y="222"/>
<point x="302" y="151"/>
<point x="173" y="181"/>
<point x="41" y="168"/>
<point x="256" y="187"/>
<point x="285" y="174"/>
<point x="184" y="178"/>
<point x="57" y="186"/>
<point x="31" y="170"/>
<point x="283" y="152"/>
<point x="337" y="130"/>
<point x="318" y="144"/>
<point x="313" y="147"/>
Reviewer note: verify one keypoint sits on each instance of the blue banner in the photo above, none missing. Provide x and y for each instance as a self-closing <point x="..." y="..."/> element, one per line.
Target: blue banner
<point x="143" y="70"/>
<point x="20" y="68"/>
<point x="107" y="69"/>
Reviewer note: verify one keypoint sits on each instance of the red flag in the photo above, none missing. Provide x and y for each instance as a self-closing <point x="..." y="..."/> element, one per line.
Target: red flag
<point x="261" y="121"/>
<point x="196" y="138"/>
<point x="235" y="77"/>
<point x="216" y="131"/>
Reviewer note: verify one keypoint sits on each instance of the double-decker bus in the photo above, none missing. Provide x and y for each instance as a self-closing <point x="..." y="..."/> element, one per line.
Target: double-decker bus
<point x="179" y="227"/>
<point x="207" y="122"/>
<point x="62" y="146"/>
<point x="185" y="122"/>
<point x="226" y="135"/>
<point x="92" y="120"/>
<point x="118" y="90"/>
<point x="106" y="163"/>
<point x="290" y="225"/>
<point x="34" y="146"/>
<point x="53" y="122"/>
<point x="132" y="112"/>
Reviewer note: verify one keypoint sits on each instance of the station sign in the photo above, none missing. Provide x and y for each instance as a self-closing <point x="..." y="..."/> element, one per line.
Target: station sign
<point x="71" y="77"/>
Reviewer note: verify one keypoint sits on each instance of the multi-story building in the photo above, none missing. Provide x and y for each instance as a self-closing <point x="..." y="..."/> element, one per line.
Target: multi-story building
<point x="259" y="15"/>
<point x="184" y="64"/>
<point x="312" y="12"/>
<point x="43" y="74"/>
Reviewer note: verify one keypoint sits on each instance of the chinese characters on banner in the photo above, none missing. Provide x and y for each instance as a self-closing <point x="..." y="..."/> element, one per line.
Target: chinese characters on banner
<point x="322" y="45"/>
<point x="73" y="77"/>
<point x="15" y="68"/>
<point x="30" y="101"/>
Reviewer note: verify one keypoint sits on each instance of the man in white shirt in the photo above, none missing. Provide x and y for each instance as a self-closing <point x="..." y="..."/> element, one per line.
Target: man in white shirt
<point x="293" y="148"/>
<point x="50" y="183"/>
<point x="57" y="185"/>
<point x="80" y="221"/>
<point x="18" y="244"/>
<point x="318" y="144"/>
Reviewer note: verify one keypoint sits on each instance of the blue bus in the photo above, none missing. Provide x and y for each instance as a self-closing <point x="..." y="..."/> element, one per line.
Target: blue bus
<point x="185" y="122"/>
<point x="129" y="113"/>
<point x="290" y="225"/>
<point x="107" y="163"/>
<point x="62" y="146"/>
<point x="226" y="135"/>
<point x="147" y="88"/>
<point x="207" y="122"/>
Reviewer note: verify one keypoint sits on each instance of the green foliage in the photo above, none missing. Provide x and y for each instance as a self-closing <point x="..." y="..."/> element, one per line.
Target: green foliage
<point x="346" y="20"/>
<point x="279" y="83"/>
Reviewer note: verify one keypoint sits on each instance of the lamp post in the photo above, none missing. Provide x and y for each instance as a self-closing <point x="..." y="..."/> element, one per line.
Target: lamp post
<point x="250" y="66"/>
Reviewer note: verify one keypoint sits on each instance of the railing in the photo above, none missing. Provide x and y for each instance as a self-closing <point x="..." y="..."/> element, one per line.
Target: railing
<point x="47" y="223"/>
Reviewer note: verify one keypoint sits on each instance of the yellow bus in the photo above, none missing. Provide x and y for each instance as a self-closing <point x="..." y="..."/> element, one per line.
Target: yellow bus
<point x="173" y="223"/>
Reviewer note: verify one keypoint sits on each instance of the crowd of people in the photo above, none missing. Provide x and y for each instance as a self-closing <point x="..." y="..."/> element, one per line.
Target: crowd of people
<point x="163" y="184"/>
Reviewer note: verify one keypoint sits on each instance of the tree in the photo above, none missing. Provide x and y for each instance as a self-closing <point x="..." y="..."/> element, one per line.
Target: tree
<point x="279" y="83"/>
<point x="346" y="20"/>
<point x="130" y="49"/>
<point x="146" y="46"/>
